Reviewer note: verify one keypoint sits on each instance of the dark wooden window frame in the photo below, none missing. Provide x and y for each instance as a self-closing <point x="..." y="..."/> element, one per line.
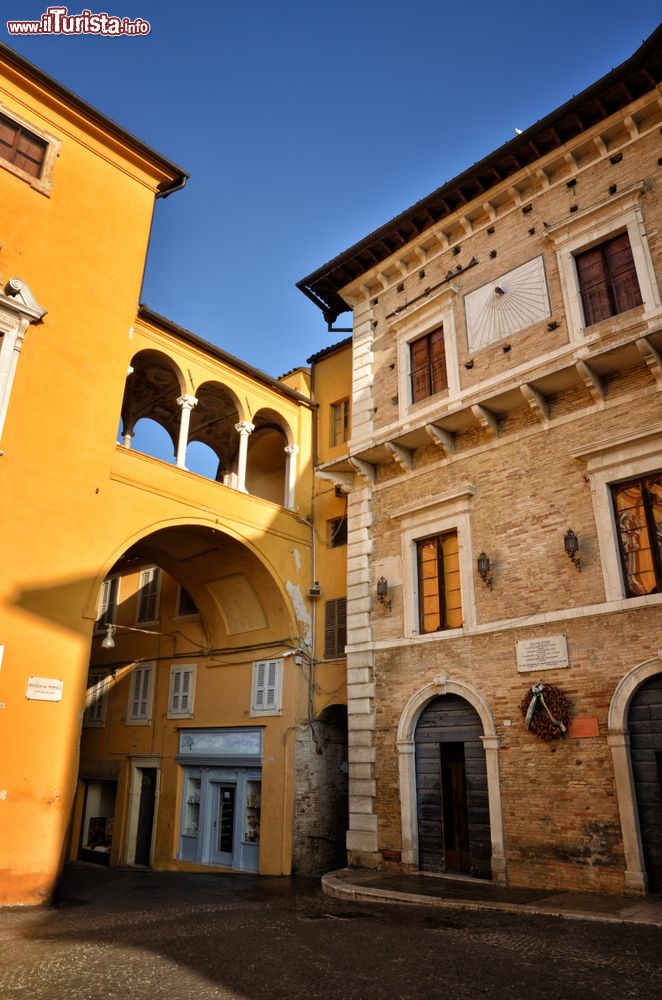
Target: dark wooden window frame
<point x="428" y="374"/>
<point x="337" y="532"/>
<point x="10" y="152"/>
<point x="443" y="611"/>
<point x="607" y="279"/>
<point x="338" y="435"/>
<point x="651" y="528"/>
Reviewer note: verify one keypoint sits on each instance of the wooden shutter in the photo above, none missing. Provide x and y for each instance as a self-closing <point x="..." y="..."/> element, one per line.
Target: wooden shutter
<point x="439" y="376"/>
<point x="594" y="285"/>
<point x="21" y="148"/>
<point x="181" y="690"/>
<point x="420" y="369"/>
<point x="148" y="594"/>
<point x="107" y="602"/>
<point x="620" y="264"/>
<point x="335" y="627"/>
<point x="258" y="697"/>
<point x="140" y="693"/>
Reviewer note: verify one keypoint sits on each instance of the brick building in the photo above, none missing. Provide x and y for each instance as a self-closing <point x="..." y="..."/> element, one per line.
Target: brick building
<point x="504" y="518"/>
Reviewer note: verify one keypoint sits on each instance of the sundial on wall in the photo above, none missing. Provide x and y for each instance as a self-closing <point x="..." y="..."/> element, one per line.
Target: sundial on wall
<point x="508" y="304"/>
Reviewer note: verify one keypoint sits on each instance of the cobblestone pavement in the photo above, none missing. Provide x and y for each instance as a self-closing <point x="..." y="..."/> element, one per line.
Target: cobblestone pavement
<point x="143" y="935"/>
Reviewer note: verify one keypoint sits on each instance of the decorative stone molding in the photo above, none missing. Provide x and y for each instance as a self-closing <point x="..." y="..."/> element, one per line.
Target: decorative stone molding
<point x="619" y="741"/>
<point x="18" y="309"/>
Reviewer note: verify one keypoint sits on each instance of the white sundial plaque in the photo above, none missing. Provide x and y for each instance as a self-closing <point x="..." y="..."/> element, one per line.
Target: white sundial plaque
<point x="510" y="303"/>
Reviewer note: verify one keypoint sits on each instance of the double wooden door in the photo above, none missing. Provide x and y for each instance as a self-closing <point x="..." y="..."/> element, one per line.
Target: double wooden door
<point x="451" y="789"/>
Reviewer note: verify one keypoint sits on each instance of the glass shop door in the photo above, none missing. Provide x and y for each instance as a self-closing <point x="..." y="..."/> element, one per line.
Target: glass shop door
<point x="224" y="823"/>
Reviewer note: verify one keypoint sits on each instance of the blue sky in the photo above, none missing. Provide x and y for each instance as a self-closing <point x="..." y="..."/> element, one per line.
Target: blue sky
<point x="304" y="126"/>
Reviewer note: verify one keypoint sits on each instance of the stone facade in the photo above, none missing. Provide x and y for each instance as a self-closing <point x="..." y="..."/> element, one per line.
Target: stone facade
<point x="541" y="409"/>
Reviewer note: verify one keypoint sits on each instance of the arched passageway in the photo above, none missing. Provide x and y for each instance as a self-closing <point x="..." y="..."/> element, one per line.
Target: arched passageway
<point x="191" y="673"/>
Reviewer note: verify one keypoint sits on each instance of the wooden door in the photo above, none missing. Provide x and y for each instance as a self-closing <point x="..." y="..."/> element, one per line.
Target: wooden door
<point x="451" y="789"/>
<point x="145" y="816"/>
<point x="645" y="727"/>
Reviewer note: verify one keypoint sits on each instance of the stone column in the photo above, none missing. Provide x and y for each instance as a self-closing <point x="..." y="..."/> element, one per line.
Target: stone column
<point x="127" y="439"/>
<point x="291" y="450"/>
<point x="636" y="882"/>
<point x="244" y="428"/>
<point x="187" y="403"/>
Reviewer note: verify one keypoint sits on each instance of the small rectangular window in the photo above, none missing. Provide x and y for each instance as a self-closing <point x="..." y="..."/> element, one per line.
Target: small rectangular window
<point x="182" y="690"/>
<point x="140" y="695"/>
<point x="21" y="148"/>
<point x="339" y="431"/>
<point x="638" y="510"/>
<point x="266" y="687"/>
<point x="96" y="699"/>
<point x="439" y="595"/>
<point x="607" y="279"/>
<point x="335" y="628"/>
<point x="428" y="365"/>
<point x="336" y="532"/>
<point x="148" y="595"/>
<point x="107" y="605"/>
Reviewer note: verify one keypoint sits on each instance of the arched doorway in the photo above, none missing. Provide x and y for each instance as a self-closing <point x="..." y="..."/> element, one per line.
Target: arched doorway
<point x="452" y="805"/>
<point x="645" y="728"/>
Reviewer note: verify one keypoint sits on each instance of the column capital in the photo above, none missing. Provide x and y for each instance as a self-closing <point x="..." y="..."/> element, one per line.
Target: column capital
<point x="291" y="449"/>
<point x="187" y="402"/>
<point x="244" y="427"/>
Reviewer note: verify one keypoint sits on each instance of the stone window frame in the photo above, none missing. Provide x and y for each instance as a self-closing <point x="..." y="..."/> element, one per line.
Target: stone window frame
<point x="436" y="311"/>
<point x="43" y="183"/>
<point x="585" y="229"/>
<point x="437" y="516"/>
<point x="608" y="462"/>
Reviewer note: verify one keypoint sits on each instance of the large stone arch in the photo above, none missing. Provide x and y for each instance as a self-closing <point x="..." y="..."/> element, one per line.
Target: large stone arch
<point x="406" y="754"/>
<point x="618" y="738"/>
<point x="213" y="524"/>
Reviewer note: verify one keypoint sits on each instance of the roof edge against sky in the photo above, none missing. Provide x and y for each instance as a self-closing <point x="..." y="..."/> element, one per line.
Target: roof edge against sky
<point x="331" y="349"/>
<point x="639" y="74"/>
<point x="144" y="312"/>
<point x="12" y="57"/>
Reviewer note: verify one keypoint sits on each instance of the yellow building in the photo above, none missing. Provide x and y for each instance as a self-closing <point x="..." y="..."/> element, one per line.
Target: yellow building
<point x="87" y="518"/>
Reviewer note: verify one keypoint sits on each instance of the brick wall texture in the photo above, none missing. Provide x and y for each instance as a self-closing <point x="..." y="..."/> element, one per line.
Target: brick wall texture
<point x="560" y="808"/>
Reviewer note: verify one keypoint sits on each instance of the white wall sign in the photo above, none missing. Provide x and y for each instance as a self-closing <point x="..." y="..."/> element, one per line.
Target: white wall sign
<point x="44" y="689"/>
<point x="550" y="653"/>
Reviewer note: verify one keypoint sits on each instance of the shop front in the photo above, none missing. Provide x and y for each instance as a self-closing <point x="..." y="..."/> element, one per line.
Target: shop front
<point x="221" y="797"/>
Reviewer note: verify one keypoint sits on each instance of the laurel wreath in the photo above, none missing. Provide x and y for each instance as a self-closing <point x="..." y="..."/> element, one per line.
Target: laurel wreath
<point x="546" y="711"/>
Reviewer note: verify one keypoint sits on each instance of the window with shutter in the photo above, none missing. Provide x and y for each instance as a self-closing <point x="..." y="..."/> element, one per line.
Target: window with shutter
<point x="439" y="595"/>
<point x="335" y="628"/>
<point x="107" y="607"/>
<point x="607" y="279"/>
<point x="96" y="699"/>
<point x="21" y="148"/>
<point x="140" y="695"/>
<point x="339" y="430"/>
<point x="638" y="510"/>
<point x="428" y="365"/>
<point x="148" y="595"/>
<point x="182" y="687"/>
<point x="266" y="688"/>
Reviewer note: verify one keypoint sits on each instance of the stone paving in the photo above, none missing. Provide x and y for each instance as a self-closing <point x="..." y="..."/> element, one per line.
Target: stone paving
<point x="135" y="935"/>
